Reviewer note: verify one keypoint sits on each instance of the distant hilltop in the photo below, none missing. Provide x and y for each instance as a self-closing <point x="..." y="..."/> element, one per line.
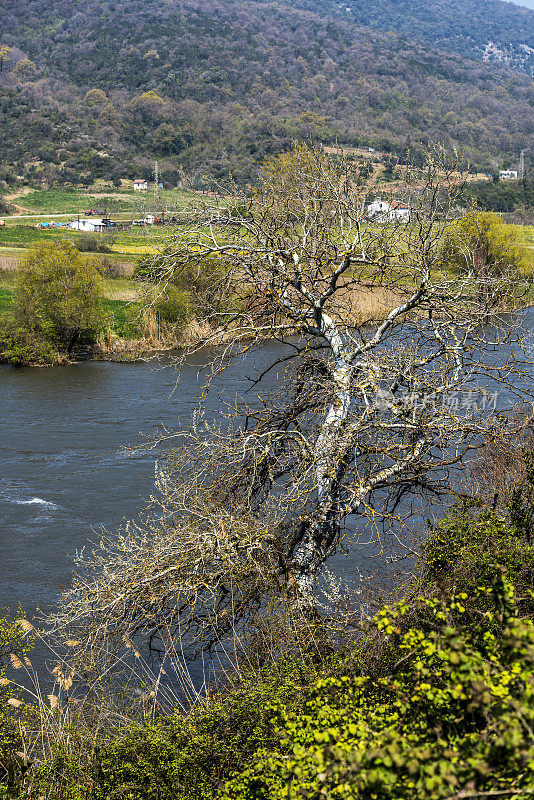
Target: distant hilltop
<point x="209" y="88"/>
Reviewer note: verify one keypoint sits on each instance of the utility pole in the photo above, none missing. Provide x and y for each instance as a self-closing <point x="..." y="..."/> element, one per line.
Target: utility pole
<point x="522" y="165"/>
<point x="156" y="179"/>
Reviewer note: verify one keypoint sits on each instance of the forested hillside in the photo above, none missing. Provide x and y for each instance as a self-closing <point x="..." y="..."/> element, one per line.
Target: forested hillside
<point x="230" y="81"/>
<point x="484" y="29"/>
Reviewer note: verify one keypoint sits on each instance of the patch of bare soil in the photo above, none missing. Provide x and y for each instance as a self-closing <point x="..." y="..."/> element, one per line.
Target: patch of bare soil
<point x="10" y="198"/>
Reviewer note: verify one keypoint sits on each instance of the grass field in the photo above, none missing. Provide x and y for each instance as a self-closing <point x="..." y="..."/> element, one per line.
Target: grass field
<point x="72" y="201"/>
<point x="24" y="234"/>
<point x="122" y="317"/>
<point x="15" y="236"/>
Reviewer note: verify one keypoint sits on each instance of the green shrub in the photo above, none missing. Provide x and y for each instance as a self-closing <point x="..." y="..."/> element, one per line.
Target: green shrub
<point x="91" y="243"/>
<point x="481" y="244"/>
<point x="173" y="305"/>
<point x="464" y="551"/>
<point x="456" y="715"/>
<point x="109" y="267"/>
<point x="190" y="757"/>
<point x="21" y="345"/>
<point x="57" y="305"/>
<point x="435" y="699"/>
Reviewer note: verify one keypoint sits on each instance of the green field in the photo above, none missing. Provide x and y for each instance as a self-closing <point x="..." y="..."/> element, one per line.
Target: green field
<point x="122" y="317"/>
<point x="72" y="201"/>
<point x="56" y="205"/>
<point x="24" y="234"/>
<point x="17" y="235"/>
<point x="129" y="245"/>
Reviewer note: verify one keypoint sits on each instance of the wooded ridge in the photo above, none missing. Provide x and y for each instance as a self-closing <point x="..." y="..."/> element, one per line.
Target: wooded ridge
<point x="234" y="81"/>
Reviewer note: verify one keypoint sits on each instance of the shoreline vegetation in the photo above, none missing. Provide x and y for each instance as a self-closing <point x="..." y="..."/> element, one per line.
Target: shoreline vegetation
<point x="150" y="335"/>
<point x="138" y="321"/>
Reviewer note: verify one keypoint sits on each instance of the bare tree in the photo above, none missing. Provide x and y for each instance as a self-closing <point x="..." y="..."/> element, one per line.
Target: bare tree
<point x="386" y="380"/>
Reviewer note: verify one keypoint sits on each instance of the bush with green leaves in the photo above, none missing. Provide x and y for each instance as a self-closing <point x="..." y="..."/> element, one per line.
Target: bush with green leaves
<point x="180" y="756"/>
<point x="482" y="245"/>
<point x="464" y="550"/>
<point x="454" y="716"/>
<point x="91" y="243"/>
<point x="58" y="305"/>
<point x="109" y="267"/>
<point x="173" y="305"/>
<point x="21" y="345"/>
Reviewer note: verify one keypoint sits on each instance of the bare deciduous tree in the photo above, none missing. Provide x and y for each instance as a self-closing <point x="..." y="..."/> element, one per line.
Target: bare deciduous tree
<point x="384" y="384"/>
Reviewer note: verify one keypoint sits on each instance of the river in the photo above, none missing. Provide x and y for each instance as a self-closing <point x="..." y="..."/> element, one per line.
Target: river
<point x="63" y="471"/>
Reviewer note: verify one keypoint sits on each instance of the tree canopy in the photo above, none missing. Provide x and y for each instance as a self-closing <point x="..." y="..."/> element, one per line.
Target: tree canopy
<point x="57" y="305"/>
<point x="379" y="396"/>
<point x="231" y="96"/>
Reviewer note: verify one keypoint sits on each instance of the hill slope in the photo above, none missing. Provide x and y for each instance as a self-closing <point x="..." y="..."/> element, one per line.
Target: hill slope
<point x="235" y="79"/>
<point x="488" y="30"/>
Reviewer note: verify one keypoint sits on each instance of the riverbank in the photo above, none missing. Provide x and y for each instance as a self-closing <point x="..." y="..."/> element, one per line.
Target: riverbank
<point x="129" y="329"/>
<point x="429" y="697"/>
<point x="445" y="671"/>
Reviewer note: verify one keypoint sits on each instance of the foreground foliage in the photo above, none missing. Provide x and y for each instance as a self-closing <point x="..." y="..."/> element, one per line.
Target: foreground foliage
<point x="456" y="713"/>
<point x="435" y="698"/>
<point x="447" y="706"/>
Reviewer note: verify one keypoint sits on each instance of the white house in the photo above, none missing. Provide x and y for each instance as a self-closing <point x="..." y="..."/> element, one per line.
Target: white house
<point x="378" y="208"/>
<point x="382" y="211"/>
<point x="400" y="212"/>
<point x="140" y="185"/>
<point x="508" y="174"/>
<point x="88" y="225"/>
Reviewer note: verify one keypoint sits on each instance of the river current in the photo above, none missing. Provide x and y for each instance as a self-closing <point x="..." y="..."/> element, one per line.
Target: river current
<point x="64" y="472"/>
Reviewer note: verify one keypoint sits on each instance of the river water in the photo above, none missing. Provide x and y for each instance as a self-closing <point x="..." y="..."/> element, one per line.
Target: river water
<point x="63" y="471"/>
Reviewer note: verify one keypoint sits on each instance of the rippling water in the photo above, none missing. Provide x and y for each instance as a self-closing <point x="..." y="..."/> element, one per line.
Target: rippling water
<point x="63" y="472"/>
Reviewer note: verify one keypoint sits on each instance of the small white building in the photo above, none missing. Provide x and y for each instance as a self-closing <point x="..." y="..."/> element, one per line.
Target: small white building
<point x="508" y="174"/>
<point x="382" y="211"/>
<point x="378" y="208"/>
<point x="88" y="225"/>
<point x="140" y="185"/>
<point x="400" y="212"/>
